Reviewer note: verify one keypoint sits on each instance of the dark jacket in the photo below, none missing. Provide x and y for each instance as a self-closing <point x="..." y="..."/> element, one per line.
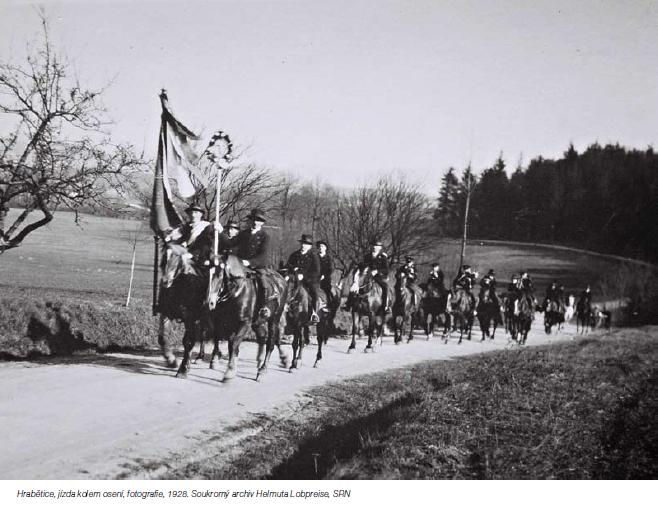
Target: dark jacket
<point x="488" y="281"/>
<point x="201" y="246"/>
<point x="436" y="279"/>
<point x="380" y="263"/>
<point x="465" y="280"/>
<point x="326" y="268"/>
<point x="227" y="245"/>
<point x="255" y="248"/>
<point x="307" y="264"/>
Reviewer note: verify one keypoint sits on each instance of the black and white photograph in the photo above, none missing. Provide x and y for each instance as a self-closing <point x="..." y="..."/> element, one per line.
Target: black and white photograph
<point x="280" y="250"/>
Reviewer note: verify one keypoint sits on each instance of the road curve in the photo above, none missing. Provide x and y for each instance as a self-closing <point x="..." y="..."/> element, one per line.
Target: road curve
<point x="106" y="416"/>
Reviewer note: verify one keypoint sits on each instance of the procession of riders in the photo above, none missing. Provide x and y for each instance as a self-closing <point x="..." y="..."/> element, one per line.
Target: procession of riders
<point x="312" y="265"/>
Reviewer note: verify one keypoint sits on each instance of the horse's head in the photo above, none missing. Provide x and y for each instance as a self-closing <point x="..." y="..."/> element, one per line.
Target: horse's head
<point x="177" y="261"/>
<point x="227" y="268"/>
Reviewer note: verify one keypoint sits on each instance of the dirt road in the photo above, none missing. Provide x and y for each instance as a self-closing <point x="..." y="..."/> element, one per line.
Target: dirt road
<point x="109" y="416"/>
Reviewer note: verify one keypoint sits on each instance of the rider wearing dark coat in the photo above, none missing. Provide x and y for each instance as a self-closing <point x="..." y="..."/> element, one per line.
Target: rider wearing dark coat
<point x="253" y="247"/>
<point x="552" y="294"/>
<point x="377" y="262"/>
<point x="228" y="240"/>
<point x="197" y="235"/>
<point x="306" y="262"/>
<point x="488" y="282"/>
<point x="465" y="279"/>
<point x="436" y="277"/>
<point x="586" y="296"/>
<point x="408" y="271"/>
<point x="326" y="267"/>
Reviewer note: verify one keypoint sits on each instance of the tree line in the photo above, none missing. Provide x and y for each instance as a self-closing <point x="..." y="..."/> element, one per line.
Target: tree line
<point x="604" y="199"/>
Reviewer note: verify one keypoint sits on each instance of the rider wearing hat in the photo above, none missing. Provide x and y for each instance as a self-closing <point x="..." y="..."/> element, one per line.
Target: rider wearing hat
<point x="436" y="277"/>
<point x="408" y="271"/>
<point x="196" y="234"/>
<point x="377" y="261"/>
<point x="326" y="267"/>
<point x="305" y="264"/>
<point x="552" y="294"/>
<point x="465" y="279"/>
<point x="253" y="248"/>
<point x="488" y="283"/>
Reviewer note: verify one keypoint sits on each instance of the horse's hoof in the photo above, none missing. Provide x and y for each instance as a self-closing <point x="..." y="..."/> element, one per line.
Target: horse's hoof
<point x="181" y="374"/>
<point x="316" y="364"/>
<point x="213" y="365"/>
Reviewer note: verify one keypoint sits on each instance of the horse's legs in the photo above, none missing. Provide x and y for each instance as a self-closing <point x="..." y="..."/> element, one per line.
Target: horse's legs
<point x="296" y="345"/>
<point x="164" y="332"/>
<point x="322" y="332"/>
<point x="411" y="328"/>
<point x="234" y="351"/>
<point x="354" y="331"/>
<point x="189" y="339"/>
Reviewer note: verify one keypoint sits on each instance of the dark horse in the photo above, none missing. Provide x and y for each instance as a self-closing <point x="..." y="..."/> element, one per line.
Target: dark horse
<point x="434" y="308"/>
<point x="462" y="309"/>
<point x="365" y="300"/>
<point x="553" y="315"/>
<point x="584" y="315"/>
<point x="521" y="317"/>
<point x="298" y="315"/>
<point x="488" y="314"/>
<point x="405" y="309"/>
<point x="236" y="312"/>
<point x="181" y="298"/>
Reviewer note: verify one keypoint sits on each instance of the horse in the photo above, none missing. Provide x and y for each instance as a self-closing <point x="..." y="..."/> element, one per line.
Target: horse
<point x="365" y="300"/>
<point x="462" y="312"/>
<point x="405" y="309"/>
<point x="298" y="313"/>
<point x="488" y="313"/>
<point x="181" y="298"/>
<point x="235" y="310"/>
<point x="553" y="315"/>
<point x="584" y="315"/>
<point x="522" y="316"/>
<point x="434" y="307"/>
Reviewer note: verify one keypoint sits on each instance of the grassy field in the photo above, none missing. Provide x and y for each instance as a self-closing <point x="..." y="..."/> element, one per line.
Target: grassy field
<point x="52" y="284"/>
<point x="580" y="410"/>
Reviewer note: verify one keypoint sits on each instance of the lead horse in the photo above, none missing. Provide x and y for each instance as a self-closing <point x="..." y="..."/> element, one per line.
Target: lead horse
<point x="461" y="307"/>
<point x="237" y="312"/>
<point x="488" y="312"/>
<point x="434" y="308"/>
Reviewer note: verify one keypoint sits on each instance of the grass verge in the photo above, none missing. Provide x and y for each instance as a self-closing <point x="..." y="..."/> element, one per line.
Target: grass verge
<point x="582" y="410"/>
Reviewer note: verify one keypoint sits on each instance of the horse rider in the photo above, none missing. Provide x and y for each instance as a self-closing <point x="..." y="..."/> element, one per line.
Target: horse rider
<point x="586" y="296"/>
<point x="526" y="283"/>
<point x="253" y="248"/>
<point x="305" y="264"/>
<point x="488" y="283"/>
<point x="377" y="262"/>
<point x="552" y="294"/>
<point x="408" y="270"/>
<point x="228" y="240"/>
<point x="465" y="279"/>
<point x="326" y="268"/>
<point x="196" y="235"/>
<point x="436" y="277"/>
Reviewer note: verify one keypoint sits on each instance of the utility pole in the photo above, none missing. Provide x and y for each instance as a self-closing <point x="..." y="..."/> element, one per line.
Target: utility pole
<point x="469" y="188"/>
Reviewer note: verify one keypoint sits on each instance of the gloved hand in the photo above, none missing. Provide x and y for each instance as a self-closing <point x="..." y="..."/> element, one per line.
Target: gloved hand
<point x="245" y="262"/>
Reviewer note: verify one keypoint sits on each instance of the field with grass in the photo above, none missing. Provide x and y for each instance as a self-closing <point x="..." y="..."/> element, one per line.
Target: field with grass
<point x="575" y="410"/>
<point x="65" y="288"/>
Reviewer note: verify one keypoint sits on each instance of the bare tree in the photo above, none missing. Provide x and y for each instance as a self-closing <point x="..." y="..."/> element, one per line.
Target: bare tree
<point x="56" y="155"/>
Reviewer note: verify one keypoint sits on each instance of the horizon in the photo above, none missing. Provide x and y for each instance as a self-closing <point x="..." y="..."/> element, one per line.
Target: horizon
<point x="344" y="92"/>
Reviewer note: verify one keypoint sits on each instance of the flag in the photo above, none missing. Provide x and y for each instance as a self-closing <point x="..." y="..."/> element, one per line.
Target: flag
<point x="177" y="158"/>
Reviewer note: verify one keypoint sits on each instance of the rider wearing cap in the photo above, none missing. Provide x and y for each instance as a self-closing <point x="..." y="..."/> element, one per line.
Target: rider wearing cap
<point x="552" y="294"/>
<point x="377" y="261"/>
<point x="305" y="264"/>
<point x="407" y="271"/>
<point x="465" y="279"/>
<point x="196" y="234"/>
<point x="488" y="283"/>
<point x="326" y="268"/>
<point x="436" y="277"/>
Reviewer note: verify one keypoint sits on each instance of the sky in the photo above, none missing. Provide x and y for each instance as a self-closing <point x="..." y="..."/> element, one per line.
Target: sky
<point x="342" y="91"/>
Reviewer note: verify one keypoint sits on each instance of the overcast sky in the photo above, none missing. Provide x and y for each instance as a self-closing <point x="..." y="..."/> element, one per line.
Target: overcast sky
<point x="347" y="90"/>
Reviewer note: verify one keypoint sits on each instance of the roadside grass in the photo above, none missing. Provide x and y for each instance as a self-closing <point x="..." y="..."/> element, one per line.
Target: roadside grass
<point x="578" y="410"/>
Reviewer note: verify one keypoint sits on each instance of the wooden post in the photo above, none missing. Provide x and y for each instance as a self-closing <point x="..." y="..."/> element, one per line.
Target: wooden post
<point x="216" y="244"/>
<point x="465" y="231"/>
<point x="132" y="272"/>
<point x="155" y="275"/>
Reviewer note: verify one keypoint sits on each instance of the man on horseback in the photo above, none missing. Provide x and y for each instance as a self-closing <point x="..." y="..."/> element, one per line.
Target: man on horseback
<point x="465" y="279"/>
<point x="253" y="248"/>
<point x="377" y="262"/>
<point x="196" y="235"/>
<point x="408" y="271"/>
<point x="586" y="296"/>
<point x="436" y="278"/>
<point x="305" y="263"/>
<point x="228" y="240"/>
<point x="488" y="284"/>
<point x="326" y="269"/>
<point x="552" y="294"/>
